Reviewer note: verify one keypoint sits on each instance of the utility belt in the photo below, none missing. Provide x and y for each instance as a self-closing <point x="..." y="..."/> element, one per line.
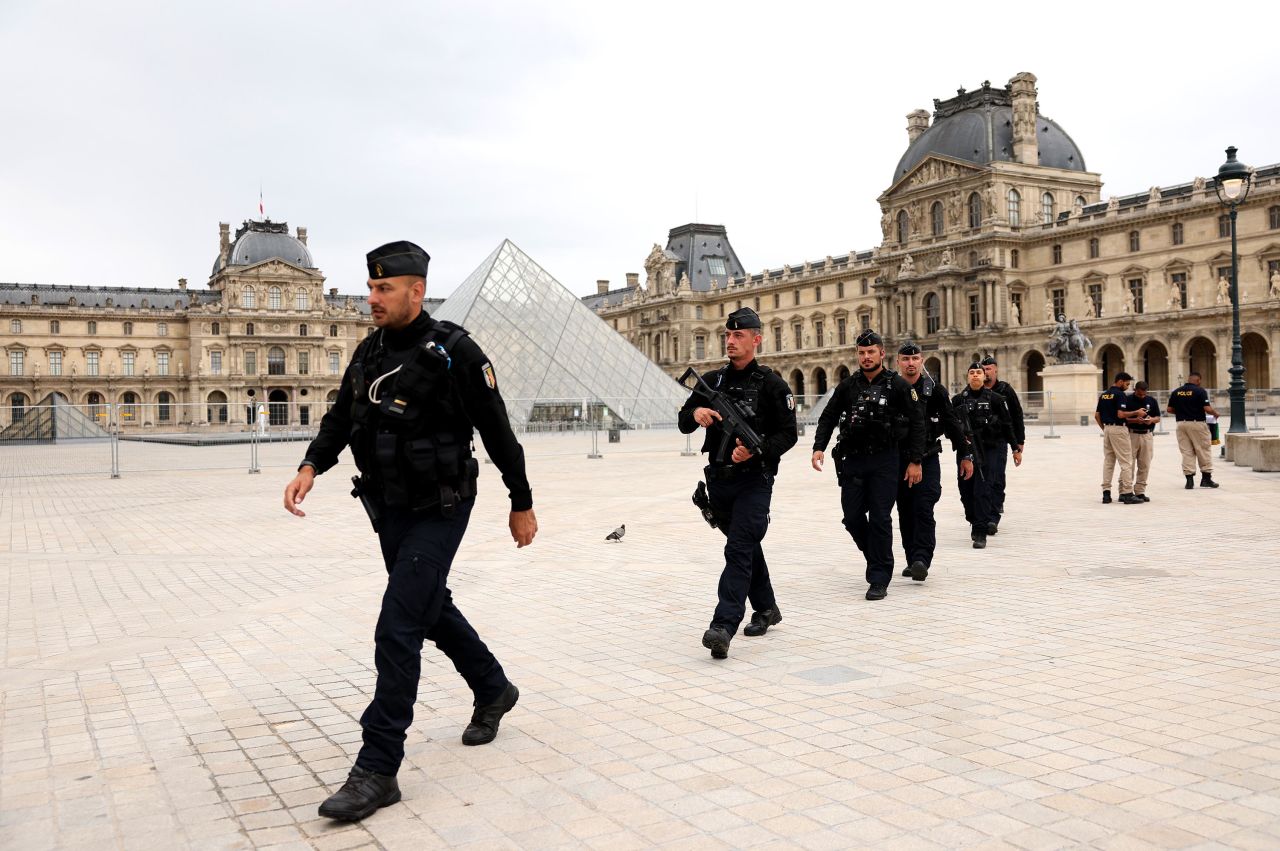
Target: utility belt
<point x="719" y="473"/>
<point x="849" y="448"/>
<point x="1114" y="425"/>
<point x="418" y="472"/>
<point x="1189" y="420"/>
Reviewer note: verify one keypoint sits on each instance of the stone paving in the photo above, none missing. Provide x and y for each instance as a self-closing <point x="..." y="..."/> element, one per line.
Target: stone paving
<point x="184" y="665"/>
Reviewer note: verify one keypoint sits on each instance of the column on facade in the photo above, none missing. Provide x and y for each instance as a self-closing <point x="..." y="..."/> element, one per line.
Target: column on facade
<point x="909" y="310"/>
<point x="882" y="306"/>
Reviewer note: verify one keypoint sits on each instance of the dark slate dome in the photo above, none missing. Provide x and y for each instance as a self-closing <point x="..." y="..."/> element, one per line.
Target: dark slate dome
<point x="977" y="127"/>
<point x="258" y="241"/>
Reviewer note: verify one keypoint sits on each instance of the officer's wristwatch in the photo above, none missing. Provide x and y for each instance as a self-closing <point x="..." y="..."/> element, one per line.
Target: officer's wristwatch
<point x="311" y="464"/>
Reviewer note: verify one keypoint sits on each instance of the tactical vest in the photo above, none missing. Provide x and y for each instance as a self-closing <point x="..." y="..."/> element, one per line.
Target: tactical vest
<point x="747" y="398"/>
<point x="983" y="418"/>
<point x="870" y="425"/>
<point x="414" y="444"/>
<point x="925" y="388"/>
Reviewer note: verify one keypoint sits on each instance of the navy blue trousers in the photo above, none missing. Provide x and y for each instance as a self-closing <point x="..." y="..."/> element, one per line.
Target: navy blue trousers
<point x="741" y="507"/>
<point x="868" y="487"/>
<point x="978" y="494"/>
<point x="418" y="549"/>
<point x="997" y="460"/>
<point x="916" y="525"/>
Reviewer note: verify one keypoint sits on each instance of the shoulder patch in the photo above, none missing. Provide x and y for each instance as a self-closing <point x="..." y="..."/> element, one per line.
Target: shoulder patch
<point x="489" y="378"/>
<point x="791" y="402"/>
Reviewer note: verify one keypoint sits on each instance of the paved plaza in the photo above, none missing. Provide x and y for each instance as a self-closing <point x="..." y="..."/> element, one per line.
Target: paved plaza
<point x="184" y="664"/>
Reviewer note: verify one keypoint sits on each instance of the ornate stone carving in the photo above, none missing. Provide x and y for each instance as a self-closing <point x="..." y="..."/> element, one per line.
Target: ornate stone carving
<point x="1067" y="343"/>
<point x="1224" y="292"/>
<point x="908" y="267"/>
<point x="1275" y="285"/>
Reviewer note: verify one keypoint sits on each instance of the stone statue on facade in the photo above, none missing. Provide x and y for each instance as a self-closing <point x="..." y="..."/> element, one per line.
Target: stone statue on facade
<point x="1048" y="310"/>
<point x="908" y="267"/>
<point x="955" y="208"/>
<point x="683" y="283"/>
<point x="1067" y="343"/>
<point x="1128" y="305"/>
<point x="1224" y="292"/>
<point x="1275" y="285"/>
<point x="1175" y="296"/>
<point x="886" y="224"/>
<point x="1197" y="185"/>
<point x="1091" y="309"/>
<point x="948" y="260"/>
<point x="1016" y="312"/>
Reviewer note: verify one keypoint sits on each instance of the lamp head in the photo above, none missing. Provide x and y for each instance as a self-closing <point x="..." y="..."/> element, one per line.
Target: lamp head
<point x="1233" y="181"/>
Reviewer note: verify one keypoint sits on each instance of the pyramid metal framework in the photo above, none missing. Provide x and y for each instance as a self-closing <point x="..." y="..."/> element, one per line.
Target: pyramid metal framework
<point x="51" y="420"/>
<point x="552" y="353"/>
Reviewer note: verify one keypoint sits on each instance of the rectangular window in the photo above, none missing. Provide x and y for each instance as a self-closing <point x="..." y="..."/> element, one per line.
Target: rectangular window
<point x="91" y="362"/>
<point x="128" y="360"/>
<point x="304" y="363"/>
<point x="841" y="332"/>
<point x="162" y="329"/>
<point x="1095" y="296"/>
<point x="777" y="337"/>
<point x="55" y="327"/>
<point x="797" y="331"/>
<point x="215" y="363"/>
<point x="1059" y="302"/>
<point x="1179" y="280"/>
<point x="715" y="265"/>
<point x="722" y="310"/>
<point x="864" y="321"/>
<point x="1135" y="290"/>
<point x="975" y="311"/>
<point x="335" y="363"/>
<point x="699" y="347"/>
<point x="697" y="314"/>
<point x="250" y="363"/>
<point x="866" y="286"/>
<point x="817" y="294"/>
<point x="93" y="327"/>
<point x="15" y="362"/>
<point x="1177" y="233"/>
<point x="795" y="297"/>
<point x="162" y="363"/>
<point x="1224" y="225"/>
<point x="304" y="415"/>
<point x="757" y="303"/>
<point x="840" y="289"/>
<point x="722" y="348"/>
<point x="55" y="363"/>
<point x="1095" y="248"/>
<point x="777" y="301"/>
<point x="300" y="300"/>
<point x="817" y="335"/>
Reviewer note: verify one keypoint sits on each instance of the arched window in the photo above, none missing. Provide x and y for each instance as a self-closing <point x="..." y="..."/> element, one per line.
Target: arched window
<point x="15" y="326"/>
<point x="1079" y="204"/>
<point x="975" y="210"/>
<point x="248" y="298"/>
<point x="275" y="361"/>
<point x="302" y="330"/>
<point x="1057" y="254"/>
<point x="300" y="300"/>
<point x="55" y="327"/>
<point x="1135" y="240"/>
<point x="128" y="329"/>
<point x="164" y="404"/>
<point x="1015" y="257"/>
<point x="903" y="227"/>
<point x="935" y="215"/>
<point x="1046" y="208"/>
<point x="129" y="407"/>
<point x="248" y="329"/>
<point x="217" y="408"/>
<point x="333" y="330"/>
<point x="932" y="313"/>
<point x="273" y="298"/>
<point x="1094" y="248"/>
<point x="17" y="407"/>
<point x="217" y="328"/>
<point x="97" y="409"/>
<point x="1177" y="233"/>
<point x="1015" y="208"/>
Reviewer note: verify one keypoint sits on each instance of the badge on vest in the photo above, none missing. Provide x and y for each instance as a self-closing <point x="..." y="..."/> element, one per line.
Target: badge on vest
<point x="489" y="378"/>
<point x="914" y="397"/>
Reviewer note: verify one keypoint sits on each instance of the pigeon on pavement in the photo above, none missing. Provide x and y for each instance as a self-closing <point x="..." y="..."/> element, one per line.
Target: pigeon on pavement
<point x="616" y="534"/>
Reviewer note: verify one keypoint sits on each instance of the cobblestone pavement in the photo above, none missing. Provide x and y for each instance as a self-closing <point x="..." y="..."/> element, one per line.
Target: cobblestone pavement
<point x="184" y="665"/>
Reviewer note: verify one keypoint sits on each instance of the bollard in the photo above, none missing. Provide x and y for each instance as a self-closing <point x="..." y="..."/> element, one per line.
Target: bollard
<point x="1051" y="435"/>
<point x="688" y="447"/>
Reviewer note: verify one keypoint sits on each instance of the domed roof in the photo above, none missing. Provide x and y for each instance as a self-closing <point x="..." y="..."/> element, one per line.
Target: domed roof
<point x="258" y="241"/>
<point x="977" y="127"/>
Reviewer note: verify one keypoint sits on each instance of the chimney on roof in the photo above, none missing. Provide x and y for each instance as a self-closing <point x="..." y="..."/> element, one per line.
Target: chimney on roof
<point x="917" y="123"/>
<point x="302" y="235"/>
<point x="633" y="280"/>
<point x="333" y="291"/>
<point x="182" y="284"/>
<point x="1026" y="145"/>
<point x="224" y="241"/>
<point x="602" y="287"/>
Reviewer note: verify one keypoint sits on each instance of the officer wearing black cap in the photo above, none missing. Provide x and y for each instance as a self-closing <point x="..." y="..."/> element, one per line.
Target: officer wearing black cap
<point x="740" y="486"/>
<point x="999" y="462"/>
<point x="410" y="398"/>
<point x="881" y="425"/>
<point x="984" y="416"/>
<point x="916" y="525"/>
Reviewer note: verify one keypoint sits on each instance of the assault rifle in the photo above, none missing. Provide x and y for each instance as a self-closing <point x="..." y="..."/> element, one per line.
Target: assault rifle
<point x="975" y="440"/>
<point x="733" y="420"/>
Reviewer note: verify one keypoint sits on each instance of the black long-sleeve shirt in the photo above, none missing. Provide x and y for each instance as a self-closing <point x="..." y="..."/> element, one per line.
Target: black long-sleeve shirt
<point x="1015" y="410"/>
<point x="940" y="419"/>
<point x="776" y="411"/>
<point x="902" y="401"/>
<point x="1001" y="431"/>
<point x="477" y="385"/>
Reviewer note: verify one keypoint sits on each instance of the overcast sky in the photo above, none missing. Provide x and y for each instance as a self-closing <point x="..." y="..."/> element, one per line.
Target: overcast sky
<point x="581" y="131"/>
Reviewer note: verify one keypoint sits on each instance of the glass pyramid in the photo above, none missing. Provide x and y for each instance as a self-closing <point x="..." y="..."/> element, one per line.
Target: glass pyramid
<point x="557" y="361"/>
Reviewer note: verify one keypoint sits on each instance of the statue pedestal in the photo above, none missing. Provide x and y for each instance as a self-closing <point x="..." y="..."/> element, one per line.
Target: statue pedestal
<point x="1075" y="392"/>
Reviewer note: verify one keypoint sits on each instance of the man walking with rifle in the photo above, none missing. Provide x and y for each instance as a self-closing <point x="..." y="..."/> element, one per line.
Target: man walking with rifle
<point x="749" y="416"/>
<point x="984" y="416"/>
<point x="877" y="411"/>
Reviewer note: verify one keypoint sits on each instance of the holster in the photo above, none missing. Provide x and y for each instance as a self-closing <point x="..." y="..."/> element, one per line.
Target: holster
<point x="367" y="502"/>
<point x="703" y="502"/>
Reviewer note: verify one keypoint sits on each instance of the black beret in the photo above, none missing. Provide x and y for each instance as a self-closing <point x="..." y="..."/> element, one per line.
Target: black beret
<point x="988" y="361"/>
<point x="869" y="338"/>
<point x="975" y="365"/>
<point x="397" y="258"/>
<point x="743" y="317"/>
<point x="909" y="348"/>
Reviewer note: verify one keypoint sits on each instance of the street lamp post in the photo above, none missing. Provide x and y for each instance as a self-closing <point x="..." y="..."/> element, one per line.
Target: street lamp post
<point x="1232" y="185"/>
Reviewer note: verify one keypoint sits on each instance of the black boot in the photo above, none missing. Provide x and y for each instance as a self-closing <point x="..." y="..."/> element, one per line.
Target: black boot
<point x="761" y="621"/>
<point x="993" y="528"/>
<point x="877" y="592"/>
<point x="717" y="641"/>
<point x="1206" y="480"/>
<point x="919" y="571"/>
<point x="1129" y="499"/>
<point x="979" y="536"/>
<point x="1191" y="481"/>
<point x="362" y="794"/>
<point x="483" y="728"/>
<point x="1106" y="497"/>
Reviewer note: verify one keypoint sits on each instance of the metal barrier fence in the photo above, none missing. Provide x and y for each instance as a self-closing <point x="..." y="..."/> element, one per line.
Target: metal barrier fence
<point x="113" y="439"/>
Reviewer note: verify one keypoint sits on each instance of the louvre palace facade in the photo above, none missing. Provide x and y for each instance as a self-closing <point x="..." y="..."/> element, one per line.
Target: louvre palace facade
<point x="992" y="226"/>
<point x="262" y="331"/>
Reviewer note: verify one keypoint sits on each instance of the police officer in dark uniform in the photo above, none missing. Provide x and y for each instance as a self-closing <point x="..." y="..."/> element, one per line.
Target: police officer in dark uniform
<point x="999" y="462"/>
<point x="740" y="485"/>
<point x="877" y="412"/>
<point x="1190" y="406"/>
<point x="984" y="416"/>
<point x="410" y="397"/>
<point x="916" y="525"/>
